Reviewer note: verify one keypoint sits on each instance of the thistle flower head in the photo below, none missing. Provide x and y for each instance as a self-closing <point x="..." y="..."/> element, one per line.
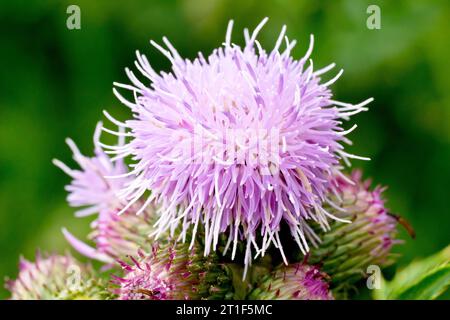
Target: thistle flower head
<point x="55" y="277"/>
<point x="91" y="188"/>
<point x="115" y="236"/>
<point x="94" y="188"/>
<point x="348" y="249"/>
<point x="174" y="272"/>
<point x="238" y="141"/>
<point x="294" y="282"/>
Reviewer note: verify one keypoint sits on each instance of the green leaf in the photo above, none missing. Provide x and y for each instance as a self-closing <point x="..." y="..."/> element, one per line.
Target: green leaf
<point x="425" y="279"/>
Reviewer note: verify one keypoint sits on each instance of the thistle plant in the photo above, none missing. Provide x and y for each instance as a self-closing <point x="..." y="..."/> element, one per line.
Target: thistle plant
<point x="228" y="182"/>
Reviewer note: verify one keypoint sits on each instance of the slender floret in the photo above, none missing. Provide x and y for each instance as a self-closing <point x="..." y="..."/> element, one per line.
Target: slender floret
<point x="297" y="281"/>
<point x="94" y="188"/>
<point x="238" y="141"/>
<point x="348" y="249"/>
<point x="56" y="277"/>
<point x="174" y="272"/>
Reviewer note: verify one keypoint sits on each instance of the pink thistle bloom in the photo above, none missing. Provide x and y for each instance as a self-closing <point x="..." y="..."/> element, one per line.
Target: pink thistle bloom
<point x="93" y="187"/>
<point x="297" y="281"/>
<point x="238" y="142"/>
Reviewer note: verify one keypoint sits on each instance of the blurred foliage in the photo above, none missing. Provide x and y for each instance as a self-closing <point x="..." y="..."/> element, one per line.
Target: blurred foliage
<point x="55" y="82"/>
<point x="424" y="279"/>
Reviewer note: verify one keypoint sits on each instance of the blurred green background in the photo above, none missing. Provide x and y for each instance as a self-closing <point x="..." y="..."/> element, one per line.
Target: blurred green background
<point x="55" y="82"/>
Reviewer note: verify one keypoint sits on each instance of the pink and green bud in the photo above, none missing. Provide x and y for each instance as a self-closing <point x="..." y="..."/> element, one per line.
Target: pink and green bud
<point x="348" y="249"/>
<point x="56" y="277"/>
<point x="174" y="272"/>
<point x="296" y="281"/>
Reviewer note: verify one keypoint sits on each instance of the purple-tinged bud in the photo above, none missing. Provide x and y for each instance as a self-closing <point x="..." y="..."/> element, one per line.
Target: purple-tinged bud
<point x="174" y="272"/>
<point x="56" y="277"/>
<point x="296" y="281"/>
<point x="348" y="249"/>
